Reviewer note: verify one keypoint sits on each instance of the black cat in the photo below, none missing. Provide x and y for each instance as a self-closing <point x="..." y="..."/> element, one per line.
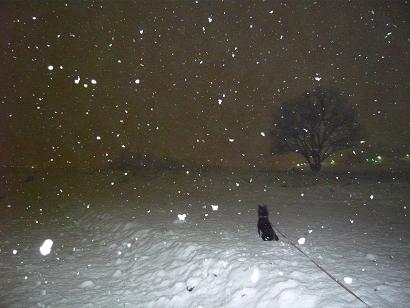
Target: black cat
<point x="265" y="229"/>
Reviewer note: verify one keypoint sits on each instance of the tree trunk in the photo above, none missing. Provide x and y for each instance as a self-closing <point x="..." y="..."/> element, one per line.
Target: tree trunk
<point x="316" y="166"/>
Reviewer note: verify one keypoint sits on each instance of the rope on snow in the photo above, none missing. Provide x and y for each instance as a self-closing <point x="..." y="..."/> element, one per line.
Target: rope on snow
<point x="322" y="269"/>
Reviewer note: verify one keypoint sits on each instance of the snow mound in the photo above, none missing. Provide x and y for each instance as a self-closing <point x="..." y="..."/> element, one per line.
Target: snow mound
<point x="87" y="284"/>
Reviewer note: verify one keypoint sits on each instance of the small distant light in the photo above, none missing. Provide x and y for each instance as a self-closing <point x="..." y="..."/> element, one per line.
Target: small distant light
<point x="50" y="67"/>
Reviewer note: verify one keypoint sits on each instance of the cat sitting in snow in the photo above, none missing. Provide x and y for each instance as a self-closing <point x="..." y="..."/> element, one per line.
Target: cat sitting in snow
<point x="265" y="229"/>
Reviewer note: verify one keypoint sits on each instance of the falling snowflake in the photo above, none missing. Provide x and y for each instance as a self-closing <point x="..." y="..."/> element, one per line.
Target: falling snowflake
<point x="348" y="280"/>
<point x="45" y="249"/>
<point x="255" y="275"/>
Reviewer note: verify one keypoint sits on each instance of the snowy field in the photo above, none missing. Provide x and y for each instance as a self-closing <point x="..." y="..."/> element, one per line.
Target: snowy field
<point x="118" y="240"/>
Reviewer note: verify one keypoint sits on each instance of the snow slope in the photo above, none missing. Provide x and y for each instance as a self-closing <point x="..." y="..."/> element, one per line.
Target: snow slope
<point x="118" y="241"/>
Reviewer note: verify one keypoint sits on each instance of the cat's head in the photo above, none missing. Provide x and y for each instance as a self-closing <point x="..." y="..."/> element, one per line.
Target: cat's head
<point x="262" y="210"/>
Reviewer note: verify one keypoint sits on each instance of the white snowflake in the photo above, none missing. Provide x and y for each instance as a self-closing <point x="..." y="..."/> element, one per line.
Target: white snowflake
<point x="348" y="280"/>
<point x="45" y="249"/>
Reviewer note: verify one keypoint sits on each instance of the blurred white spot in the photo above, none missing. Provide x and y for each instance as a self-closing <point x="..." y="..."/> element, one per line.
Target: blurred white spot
<point x="50" y="67"/>
<point x="137" y="81"/>
<point x="141" y="31"/>
<point x="263" y="134"/>
<point x="14" y="251"/>
<point x="214" y="207"/>
<point x="301" y="241"/>
<point x="98" y="138"/>
<point x="255" y="275"/>
<point x="371" y="197"/>
<point x="77" y="81"/>
<point x="210" y="19"/>
<point x="93" y="81"/>
<point x="348" y="280"/>
<point x="45" y="249"/>
<point x="231" y="140"/>
<point x="181" y="217"/>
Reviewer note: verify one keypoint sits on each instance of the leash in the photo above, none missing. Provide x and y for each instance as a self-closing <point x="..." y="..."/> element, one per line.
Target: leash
<point x="322" y="269"/>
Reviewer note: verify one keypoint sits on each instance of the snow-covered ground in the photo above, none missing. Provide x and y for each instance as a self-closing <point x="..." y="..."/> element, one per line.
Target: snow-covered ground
<point x="118" y="240"/>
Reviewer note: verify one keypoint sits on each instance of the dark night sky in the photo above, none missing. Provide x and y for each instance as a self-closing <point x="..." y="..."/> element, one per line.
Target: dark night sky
<point x="208" y="72"/>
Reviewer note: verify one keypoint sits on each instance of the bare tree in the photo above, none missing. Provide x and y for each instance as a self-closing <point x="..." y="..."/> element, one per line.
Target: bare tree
<point x="316" y="125"/>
